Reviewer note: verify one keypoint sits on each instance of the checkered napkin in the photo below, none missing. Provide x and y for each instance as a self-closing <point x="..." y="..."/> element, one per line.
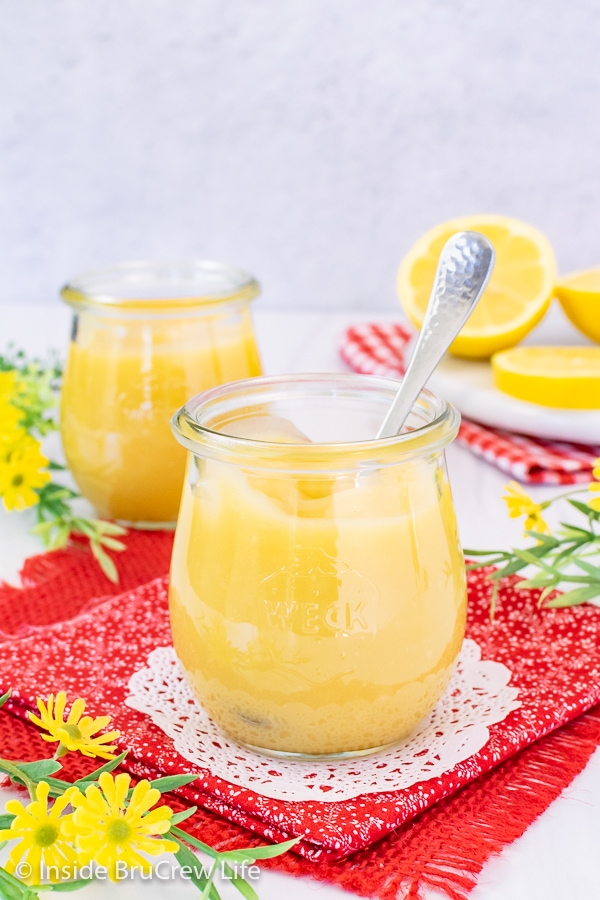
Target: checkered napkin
<point x="380" y="350"/>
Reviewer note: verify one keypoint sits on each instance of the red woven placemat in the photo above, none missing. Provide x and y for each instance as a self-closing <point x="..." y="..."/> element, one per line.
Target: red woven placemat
<point x="445" y="847"/>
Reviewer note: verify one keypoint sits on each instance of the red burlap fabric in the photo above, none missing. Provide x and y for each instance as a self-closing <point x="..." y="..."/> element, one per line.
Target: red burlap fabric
<point x="444" y="848"/>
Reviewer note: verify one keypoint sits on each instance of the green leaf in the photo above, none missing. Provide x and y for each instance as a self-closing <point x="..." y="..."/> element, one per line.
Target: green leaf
<point x="185" y="857"/>
<point x="575" y="532"/>
<point x="5" y="697"/>
<point x="86" y="528"/>
<point x="239" y="882"/>
<point x="593" y="571"/>
<point x="61" y="537"/>
<point x="574" y="598"/>
<point x="181" y="835"/>
<point x="105" y="562"/>
<point x="54" y="491"/>
<point x="104" y="527"/>
<point x="172" y="782"/>
<point x="511" y="568"/>
<point x="37" y="771"/>
<point x="547" y="541"/>
<point x="253" y="853"/>
<point x="539" y="581"/>
<point x="57" y="786"/>
<point x="43" y="528"/>
<point x="64" y="887"/>
<point x="532" y="560"/>
<point x="183" y="815"/>
<point x="585" y="509"/>
<point x="567" y="554"/>
<point x="13" y="889"/>
<point x="112" y="543"/>
<point x="106" y="767"/>
<point x="547" y="590"/>
<point x="5" y="820"/>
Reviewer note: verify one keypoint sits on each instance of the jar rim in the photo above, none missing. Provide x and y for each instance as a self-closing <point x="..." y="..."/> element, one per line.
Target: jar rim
<point x="429" y="438"/>
<point x="168" y="285"/>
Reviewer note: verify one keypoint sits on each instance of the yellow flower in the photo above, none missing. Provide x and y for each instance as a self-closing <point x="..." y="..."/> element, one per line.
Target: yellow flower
<point x="112" y="832"/>
<point x="42" y="837"/>
<point x="8" y="384"/>
<point x="10" y="418"/>
<point x="521" y="504"/>
<point x="21" y="472"/>
<point x="594" y="486"/>
<point x="76" y="733"/>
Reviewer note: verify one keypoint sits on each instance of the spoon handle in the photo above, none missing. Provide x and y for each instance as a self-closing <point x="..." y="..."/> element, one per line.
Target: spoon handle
<point x="463" y="271"/>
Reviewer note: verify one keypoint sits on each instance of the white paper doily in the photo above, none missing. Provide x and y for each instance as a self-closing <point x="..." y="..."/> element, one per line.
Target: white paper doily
<point x="478" y="696"/>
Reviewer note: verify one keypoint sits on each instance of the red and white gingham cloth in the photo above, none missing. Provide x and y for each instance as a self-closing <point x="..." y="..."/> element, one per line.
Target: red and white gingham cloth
<point x="380" y="350"/>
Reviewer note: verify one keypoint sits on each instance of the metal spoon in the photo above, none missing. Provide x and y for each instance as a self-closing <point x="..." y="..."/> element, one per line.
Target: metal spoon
<point x="463" y="271"/>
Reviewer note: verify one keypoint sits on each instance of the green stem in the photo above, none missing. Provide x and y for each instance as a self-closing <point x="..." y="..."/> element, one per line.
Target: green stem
<point x="209" y="883"/>
<point x="12" y="888"/>
<point x="548" y="503"/>
<point x="17" y="776"/>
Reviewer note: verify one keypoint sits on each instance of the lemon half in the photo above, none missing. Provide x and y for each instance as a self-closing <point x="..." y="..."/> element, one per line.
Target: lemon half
<point x="579" y="296"/>
<point x="560" y="377"/>
<point x="518" y="293"/>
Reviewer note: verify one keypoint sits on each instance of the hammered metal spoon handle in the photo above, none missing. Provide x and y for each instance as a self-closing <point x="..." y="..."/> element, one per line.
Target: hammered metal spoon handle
<point x="463" y="271"/>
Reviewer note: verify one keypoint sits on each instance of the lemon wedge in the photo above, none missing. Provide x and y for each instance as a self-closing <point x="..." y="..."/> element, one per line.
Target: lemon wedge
<point x="516" y="297"/>
<point x="579" y="296"/>
<point x="560" y="377"/>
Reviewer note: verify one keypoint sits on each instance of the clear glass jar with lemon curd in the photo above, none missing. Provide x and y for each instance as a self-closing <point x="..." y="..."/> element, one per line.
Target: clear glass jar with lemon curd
<point x="145" y="337"/>
<point x="317" y="591"/>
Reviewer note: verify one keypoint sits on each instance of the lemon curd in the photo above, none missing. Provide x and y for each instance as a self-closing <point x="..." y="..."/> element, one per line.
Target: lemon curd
<point x="317" y="590"/>
<point x="132" y="362"/>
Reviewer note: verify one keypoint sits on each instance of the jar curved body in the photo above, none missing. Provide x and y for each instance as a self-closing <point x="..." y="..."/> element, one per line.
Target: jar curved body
<point x="127" y="370"/>
<point x="317" y="608"/>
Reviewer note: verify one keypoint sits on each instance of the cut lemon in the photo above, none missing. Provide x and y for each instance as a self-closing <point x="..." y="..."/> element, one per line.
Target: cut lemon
<point x="516" y="297"/>
<point x="579" y="296"/>
<point x="561" y="377"/>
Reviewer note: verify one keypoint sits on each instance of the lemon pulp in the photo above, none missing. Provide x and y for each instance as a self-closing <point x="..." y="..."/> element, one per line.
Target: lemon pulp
<point x="579" y="296"/>
<point x="516" y="297"/>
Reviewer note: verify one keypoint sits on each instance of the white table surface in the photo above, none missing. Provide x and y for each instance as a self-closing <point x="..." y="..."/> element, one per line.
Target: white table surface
<point x="556" y="858"/>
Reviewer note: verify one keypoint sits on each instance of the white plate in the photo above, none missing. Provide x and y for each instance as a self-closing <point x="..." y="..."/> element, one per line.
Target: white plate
<point x="469" y="386"/>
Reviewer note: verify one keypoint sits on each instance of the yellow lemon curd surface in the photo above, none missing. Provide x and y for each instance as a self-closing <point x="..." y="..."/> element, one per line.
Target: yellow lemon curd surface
<point x="123" y="382"/>
<point x="317" y="615"/>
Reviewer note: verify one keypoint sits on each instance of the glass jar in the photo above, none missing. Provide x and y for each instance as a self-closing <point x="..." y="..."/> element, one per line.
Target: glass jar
<point x="318" y="594"/>
<point x="145" y="337"/>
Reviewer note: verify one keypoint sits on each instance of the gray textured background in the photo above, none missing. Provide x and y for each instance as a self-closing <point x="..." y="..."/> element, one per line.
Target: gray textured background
<point x="310" y="141"/>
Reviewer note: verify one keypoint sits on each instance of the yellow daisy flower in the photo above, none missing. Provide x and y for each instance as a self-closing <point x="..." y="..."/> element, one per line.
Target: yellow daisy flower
<point x="76" y="733"/>
<point x="41" y="835"/>
<point x="21" y="472"/>
<point x="112" y="832"/>
<point x="521" y="504"/>
<point x="10" y="416"/>
<point x="9" y="422"/>
<point x="594" y="486"/>
<point x="8" y="384"/>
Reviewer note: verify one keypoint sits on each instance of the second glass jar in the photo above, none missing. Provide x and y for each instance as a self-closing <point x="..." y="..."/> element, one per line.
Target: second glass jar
<point x="145" y="337"/>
